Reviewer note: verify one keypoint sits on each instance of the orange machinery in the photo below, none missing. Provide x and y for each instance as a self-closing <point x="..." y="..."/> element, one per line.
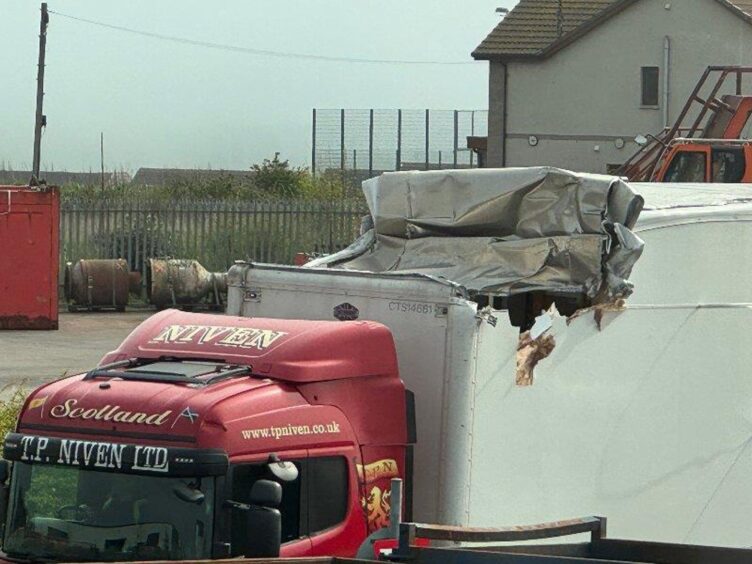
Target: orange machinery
<point x="707" y="142"/>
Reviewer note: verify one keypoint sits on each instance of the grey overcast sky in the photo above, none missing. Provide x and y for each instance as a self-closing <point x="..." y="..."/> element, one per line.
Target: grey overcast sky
<point x="161" y="103"/>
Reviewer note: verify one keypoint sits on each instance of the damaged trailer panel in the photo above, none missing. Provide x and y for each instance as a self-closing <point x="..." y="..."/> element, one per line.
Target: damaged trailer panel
<point x="641" y="409"/>
<point x="647" y="416"/>
<point x="637" y="407"/>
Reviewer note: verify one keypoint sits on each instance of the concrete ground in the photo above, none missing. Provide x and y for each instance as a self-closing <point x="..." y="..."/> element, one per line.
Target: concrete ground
<point x="35" y="357"/>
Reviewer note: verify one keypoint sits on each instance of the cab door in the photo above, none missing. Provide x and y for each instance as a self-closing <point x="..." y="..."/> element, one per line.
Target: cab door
<point x="322" y="511"/>
<point x="243" y="474"/>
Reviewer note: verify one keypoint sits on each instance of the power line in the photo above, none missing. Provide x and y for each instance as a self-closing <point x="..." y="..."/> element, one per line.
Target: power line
<point x="254" y="51"/>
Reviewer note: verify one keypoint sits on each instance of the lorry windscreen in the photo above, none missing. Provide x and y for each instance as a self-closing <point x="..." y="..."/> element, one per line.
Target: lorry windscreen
<point x="71" y="514"/>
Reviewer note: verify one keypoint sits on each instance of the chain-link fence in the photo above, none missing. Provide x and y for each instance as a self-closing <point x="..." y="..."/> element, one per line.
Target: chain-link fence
<point x="369" y="142"/>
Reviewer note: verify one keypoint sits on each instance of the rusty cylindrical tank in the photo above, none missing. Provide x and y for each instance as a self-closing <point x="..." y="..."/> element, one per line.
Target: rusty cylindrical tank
<point x="183" y="282"/>
<point x="99" y="284"/>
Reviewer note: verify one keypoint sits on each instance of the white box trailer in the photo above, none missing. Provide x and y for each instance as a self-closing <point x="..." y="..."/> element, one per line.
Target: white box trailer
<point x="443" y="344"/>
<point x="641" y="412"/>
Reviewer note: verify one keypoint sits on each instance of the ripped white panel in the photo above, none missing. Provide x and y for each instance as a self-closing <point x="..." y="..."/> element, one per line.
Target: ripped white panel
<point x="646" y="422"/>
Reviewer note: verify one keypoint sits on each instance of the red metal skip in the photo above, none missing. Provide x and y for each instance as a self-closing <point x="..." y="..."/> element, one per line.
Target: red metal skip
<point x="29" y="249"/>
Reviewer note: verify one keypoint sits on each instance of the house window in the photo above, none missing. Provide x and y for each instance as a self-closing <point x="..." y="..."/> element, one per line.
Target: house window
<point x="649" y="86"/>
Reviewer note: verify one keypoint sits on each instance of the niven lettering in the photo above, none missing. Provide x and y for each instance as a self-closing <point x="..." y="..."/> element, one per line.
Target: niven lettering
<point x="238" y="337"/>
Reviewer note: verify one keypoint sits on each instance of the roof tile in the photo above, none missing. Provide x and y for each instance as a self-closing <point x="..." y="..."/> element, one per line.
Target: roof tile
<point x="536" y="26"/>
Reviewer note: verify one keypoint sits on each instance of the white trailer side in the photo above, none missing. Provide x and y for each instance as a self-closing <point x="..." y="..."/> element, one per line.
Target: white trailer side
<point x="437" y="335"/>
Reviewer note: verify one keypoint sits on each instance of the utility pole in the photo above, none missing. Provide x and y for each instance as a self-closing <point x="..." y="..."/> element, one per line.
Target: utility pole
<point x="41" y="119"/>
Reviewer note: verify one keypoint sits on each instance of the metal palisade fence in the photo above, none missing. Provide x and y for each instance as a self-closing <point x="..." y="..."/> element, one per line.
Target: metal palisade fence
<point x="216" y="233"/>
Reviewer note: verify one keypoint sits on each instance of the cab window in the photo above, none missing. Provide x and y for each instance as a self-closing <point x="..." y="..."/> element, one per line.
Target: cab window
<point x="243" y="478"/>
<point x="687" y="166"/>
<point x="53" y="487"/>
<point x="316" y="501"/>
<point x="727" y="164"/>
<point x="327" y="492"/>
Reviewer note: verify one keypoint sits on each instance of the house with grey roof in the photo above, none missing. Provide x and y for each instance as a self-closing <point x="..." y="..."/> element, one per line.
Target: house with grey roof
<point x="573" y="82"/>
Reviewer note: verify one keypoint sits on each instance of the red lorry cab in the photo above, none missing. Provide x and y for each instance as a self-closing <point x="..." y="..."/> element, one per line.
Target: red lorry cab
<point x="178" y="444"/>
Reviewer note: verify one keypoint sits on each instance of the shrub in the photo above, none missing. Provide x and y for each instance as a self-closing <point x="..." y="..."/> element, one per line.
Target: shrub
<point x="149" y="237"/>
<point x="279" y="178"/>
<point x="10" y="407"/>
<point x="272" y="179"/>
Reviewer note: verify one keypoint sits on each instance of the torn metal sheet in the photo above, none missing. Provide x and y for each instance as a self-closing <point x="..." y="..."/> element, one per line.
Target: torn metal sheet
<point x="501" y="231"/>
<point x="529" y="353"/>
<point x="599" y="310"/>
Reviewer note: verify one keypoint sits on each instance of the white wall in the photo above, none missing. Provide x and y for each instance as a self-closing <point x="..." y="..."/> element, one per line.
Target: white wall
<point x="589" y="92"/>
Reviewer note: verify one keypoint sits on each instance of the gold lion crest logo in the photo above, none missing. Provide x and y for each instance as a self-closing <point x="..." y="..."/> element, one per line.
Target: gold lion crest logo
<point x="378" y="501"/>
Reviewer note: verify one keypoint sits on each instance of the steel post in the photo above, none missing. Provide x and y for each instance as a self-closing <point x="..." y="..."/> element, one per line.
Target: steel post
<point x="399" y="140"/>
<point x="456" y="136"/>
<point x="313" y="144"/>
<point x="342" y="139"/>
<point x="370" y="144"/>
<point x="428" y="131"/>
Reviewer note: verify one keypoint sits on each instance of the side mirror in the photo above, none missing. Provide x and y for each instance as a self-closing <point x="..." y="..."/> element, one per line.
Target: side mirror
<point x="188" y="494"/>
<point x="285" y="471"/>
<point x="266" y="493"/>
<point x="641" y="140"/>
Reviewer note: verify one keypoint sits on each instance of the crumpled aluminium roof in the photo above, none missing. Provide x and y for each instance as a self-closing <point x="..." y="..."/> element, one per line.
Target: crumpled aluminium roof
<point x="501" y="231"/>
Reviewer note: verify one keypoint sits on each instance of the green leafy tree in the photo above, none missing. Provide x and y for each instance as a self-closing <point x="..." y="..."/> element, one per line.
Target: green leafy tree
<point x="276" y="177"/>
